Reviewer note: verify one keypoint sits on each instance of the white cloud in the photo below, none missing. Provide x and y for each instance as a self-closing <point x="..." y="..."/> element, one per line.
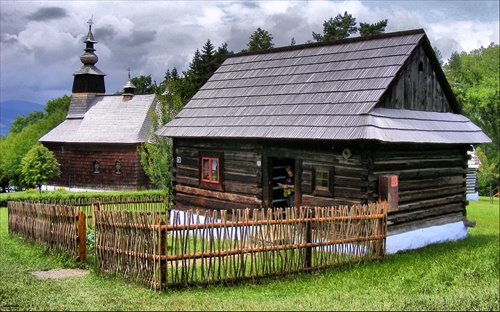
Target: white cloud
<point x="467" y="35"/>
<point x="275" y="7"/>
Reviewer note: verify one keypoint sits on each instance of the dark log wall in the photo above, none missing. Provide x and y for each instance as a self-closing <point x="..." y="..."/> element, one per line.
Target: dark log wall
<point x="77" y="163"/>
<point x="417" y="87"/>
<point x="350" y="174"/>
<point x="432" y="183"/>
<point x="432" y="178"/>
<point x="241" y="177"/>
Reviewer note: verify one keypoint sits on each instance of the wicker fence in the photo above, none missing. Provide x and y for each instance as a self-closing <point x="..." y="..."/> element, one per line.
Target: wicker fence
<point x="213" y="248"/>
<point x="146" y="203"/>
<point x="62" y="224"/>
<point x="55" y="226"/>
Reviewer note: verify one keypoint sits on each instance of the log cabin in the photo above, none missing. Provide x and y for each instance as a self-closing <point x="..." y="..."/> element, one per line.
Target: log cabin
<point x="98" y="144"/>
<point x="342" y="114"/>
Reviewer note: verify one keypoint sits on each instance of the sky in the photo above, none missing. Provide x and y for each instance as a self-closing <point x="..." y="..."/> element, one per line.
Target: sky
<point x="41" y="41"/>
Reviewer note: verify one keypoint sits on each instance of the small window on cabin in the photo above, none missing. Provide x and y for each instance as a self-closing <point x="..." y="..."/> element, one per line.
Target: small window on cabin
<point x="323" y="181"/>
<point x="62" y="149"/>
<point x="118" y="167"/>
<point x="210" y="170"/>
<point x="421" y="66"/>
<point x="97" y="166"/>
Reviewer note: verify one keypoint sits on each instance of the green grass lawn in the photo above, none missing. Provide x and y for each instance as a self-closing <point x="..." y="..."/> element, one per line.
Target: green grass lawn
<point x="461" y="275"/>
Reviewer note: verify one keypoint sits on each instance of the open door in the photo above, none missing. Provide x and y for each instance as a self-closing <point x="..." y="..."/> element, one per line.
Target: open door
<point x="276" y="173"/>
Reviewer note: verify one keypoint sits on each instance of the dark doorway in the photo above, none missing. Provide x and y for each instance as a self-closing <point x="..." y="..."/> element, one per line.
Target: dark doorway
<point x="277" y="174"/>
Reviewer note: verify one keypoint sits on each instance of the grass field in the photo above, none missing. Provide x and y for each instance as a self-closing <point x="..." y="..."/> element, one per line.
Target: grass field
<point x="461" y="275"/>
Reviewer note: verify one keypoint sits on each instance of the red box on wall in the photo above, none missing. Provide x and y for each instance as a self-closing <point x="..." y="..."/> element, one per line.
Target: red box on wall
<point x="388" y="190"/>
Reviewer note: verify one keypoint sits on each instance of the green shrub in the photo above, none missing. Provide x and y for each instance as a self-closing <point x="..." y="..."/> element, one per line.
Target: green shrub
<point x="62" y="195"/>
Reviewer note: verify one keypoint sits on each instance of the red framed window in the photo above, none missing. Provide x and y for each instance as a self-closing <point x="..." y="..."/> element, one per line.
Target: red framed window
<point x="210" y="170"/>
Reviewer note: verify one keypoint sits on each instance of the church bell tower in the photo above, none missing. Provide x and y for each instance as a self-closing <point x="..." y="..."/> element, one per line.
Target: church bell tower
<point x="89" y="79"/>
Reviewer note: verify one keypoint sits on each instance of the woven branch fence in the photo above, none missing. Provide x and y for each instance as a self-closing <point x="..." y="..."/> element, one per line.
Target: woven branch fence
<point x="147" y="203"/>
<point x="62" y="224"/>
<point x="215" y="247"/>
<point x="54" y="226"/>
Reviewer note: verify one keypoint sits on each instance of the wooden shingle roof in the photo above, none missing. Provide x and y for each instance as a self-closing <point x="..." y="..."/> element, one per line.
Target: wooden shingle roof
<point x="326" y="91"/>
<point x="106" y="119"/>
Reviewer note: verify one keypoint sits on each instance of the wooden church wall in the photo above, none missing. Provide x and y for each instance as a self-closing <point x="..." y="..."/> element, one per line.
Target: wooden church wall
<point x="77" y="164"/>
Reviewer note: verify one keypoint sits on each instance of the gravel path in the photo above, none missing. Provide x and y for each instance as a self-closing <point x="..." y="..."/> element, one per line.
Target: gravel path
<point x="62" y="273"/>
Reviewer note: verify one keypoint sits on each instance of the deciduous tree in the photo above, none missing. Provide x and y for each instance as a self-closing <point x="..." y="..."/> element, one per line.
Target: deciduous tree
<point x="22" y="121"/>
<point x="59" y="104"/>
<point x="143" y="84"/>
<point x="15" y="146"/>
<point x="475" y="80"/>
<point x="38" y="166"/>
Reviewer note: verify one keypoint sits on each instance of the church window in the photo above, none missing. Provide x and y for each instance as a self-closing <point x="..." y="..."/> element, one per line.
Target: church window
<point x="118" y="167"/>
<point x="97" y="166"/>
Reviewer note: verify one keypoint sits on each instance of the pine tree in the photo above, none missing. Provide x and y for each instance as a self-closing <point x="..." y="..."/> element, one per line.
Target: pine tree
<point x="366" y="29"/>
<point x="260" y="40"/>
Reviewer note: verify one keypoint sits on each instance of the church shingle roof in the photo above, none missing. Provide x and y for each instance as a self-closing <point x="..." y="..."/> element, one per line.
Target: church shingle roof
<point x="108" y="119"/>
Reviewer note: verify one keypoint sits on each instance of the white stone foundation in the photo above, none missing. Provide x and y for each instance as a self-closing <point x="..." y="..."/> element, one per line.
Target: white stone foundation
<point x="423" y="237"/>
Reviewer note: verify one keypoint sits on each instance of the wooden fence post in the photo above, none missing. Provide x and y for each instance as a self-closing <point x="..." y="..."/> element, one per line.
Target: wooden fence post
<point x="308" y="255"/>
<point x="162" y="253"/>
<point x="82" y="236"/>
<point x="381" y="230"/>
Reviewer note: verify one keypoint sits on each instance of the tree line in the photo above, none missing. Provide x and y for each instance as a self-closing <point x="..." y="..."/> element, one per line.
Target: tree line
<point x="25" y="162"/>
<point x="474" y="78"/>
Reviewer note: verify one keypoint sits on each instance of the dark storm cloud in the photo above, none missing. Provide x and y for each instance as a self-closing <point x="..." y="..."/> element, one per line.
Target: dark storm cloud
<point x="128" y="51"/>
<point x="107" y="33"/>
<point x="104" y="33"/>
<point x="46" y="14"/>
<point x="239" y="37"/>
<point x="288" y="26"/>
<point x="11" y="41"/>
<point x="140" y="37"/>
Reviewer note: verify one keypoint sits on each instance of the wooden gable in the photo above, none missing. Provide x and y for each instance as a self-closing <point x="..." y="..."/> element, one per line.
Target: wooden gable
<point x="420" y="85"/>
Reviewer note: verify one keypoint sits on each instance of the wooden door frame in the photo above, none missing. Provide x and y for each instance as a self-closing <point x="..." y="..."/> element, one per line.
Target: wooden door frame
<point x="267" y="181"/>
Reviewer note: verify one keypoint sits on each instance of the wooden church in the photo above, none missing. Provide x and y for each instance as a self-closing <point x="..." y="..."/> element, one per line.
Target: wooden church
<point x="342" y="114"/>
<point x="98" y="144"/>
